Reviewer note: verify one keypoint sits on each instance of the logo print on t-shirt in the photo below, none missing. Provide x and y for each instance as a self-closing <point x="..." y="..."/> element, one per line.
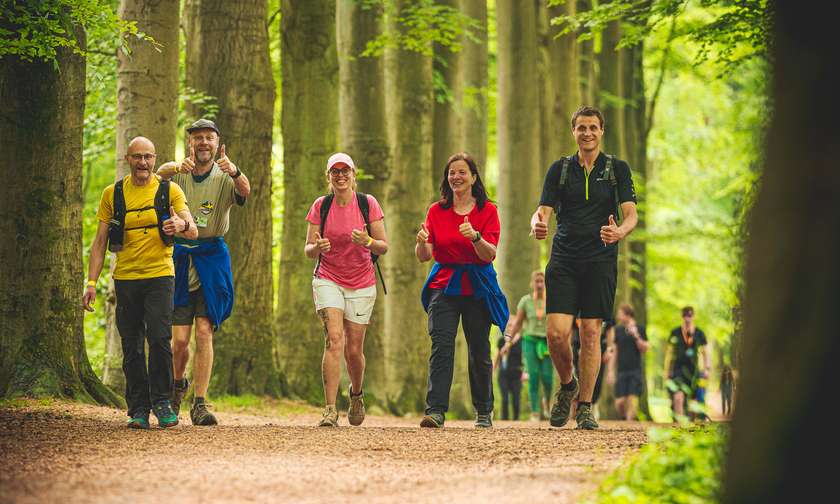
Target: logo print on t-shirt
<point x="206" y="207"/>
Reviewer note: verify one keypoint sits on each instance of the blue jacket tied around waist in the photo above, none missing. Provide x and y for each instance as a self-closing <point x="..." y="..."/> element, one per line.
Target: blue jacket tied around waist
<point x="211" y="259"/>
<point x="484" y="284"/>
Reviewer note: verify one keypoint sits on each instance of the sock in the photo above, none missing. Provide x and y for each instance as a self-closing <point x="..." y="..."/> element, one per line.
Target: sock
<point x="181" y="383"/>
<point x="198" y="400"/>
<point x="568" y="387"/>
<point x="582" y="404"/>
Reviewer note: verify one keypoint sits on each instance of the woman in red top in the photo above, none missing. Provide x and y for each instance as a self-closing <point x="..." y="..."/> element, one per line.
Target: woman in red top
<point x="344" y="284"/>
<point x="461" y="232"/>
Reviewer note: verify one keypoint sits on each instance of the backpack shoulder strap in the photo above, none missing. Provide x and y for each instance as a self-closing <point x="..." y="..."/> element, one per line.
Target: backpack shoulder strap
<point x="564" y="172"/>
<point x="364" y="206"/>
<point x="162" y="209"/>
<point x="609" y="174"/>
<point x="116" y="227"/>
<point x="325" y="210"/>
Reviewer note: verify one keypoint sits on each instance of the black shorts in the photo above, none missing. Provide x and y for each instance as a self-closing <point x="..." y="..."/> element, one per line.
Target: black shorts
<point x="628" y="383"/>
<point x="196" y="307"/>
<point x="584" y="289"/>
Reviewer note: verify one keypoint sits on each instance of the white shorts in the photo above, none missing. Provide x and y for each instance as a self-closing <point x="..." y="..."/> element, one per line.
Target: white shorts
<point x="357" y="304"/>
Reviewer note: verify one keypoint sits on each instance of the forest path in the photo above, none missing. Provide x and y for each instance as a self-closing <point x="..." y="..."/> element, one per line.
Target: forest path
<point x="69" y="452"/>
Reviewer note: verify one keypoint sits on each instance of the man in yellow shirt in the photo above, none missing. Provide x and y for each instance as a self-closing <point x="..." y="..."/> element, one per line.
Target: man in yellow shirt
<point x="139" y="218"/>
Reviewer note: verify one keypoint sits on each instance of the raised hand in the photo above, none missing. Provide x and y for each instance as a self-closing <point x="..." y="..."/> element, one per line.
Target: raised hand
<point x="174" y="224"/>
<point x="359" y="237"/>
<point x="539" y="228"/>
<point x="610" y="233"/>
<point x="322" y="243"/>
<point x="225" y="163"/>
<point x="466" y="229"/>
<point x="423" y="234"/>
<point x="188" y="164"/>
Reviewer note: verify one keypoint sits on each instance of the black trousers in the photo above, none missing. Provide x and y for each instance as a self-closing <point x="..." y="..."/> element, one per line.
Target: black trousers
<point x="510" y="383"/>
<point x="144" y="312"/>
<point x="445" y="312"/>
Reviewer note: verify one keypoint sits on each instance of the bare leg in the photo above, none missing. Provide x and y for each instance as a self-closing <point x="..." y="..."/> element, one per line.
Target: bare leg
<point x="590" y="357"/>
<point x="203" y="364"/>
<point x="679" y="404"/>
<point x="180" y="349"/>
<point x="354" y="353"/>
<point x="619" y="406"/>
<point x="332" y="320"/>
<point x="559" y="334"/>
<point x="631" y="407"/>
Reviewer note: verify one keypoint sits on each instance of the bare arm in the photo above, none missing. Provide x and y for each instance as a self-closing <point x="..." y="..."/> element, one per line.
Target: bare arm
<point x="631" y="218"/>
<point x="379" y="246"/>
<point x="242" y="185"/>
<point x="669" y="353"/>
<point x="97" y="259"/>
<point x="191" y="232"/>
<point x="486" y="251"/>
<point x="167" y="170"/>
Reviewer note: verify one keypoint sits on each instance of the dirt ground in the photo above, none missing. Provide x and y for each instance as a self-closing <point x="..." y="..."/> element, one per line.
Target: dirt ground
<point x="77" y="453"/>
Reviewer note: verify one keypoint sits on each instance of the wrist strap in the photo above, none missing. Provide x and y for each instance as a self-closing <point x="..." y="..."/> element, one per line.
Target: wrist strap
<point x="238" y="173"/>
<point x="91" y="283"/>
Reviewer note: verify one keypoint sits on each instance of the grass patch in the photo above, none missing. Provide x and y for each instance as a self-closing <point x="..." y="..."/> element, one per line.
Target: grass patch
<point x="678" y="465"/>
<point x="262" y="405"/>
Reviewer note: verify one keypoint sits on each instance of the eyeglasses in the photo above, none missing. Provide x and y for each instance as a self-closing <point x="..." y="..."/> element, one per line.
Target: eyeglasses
<point x="335" y="172"/>
<point x="147" y="157"/>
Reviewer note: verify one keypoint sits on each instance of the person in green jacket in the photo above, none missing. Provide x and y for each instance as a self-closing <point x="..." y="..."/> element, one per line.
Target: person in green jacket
<point x="529" y="325"/>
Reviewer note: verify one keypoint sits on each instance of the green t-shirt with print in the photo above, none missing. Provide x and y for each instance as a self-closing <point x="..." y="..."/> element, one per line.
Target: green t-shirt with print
<point x="210" y="197"/>
<point x="532" y="326"/>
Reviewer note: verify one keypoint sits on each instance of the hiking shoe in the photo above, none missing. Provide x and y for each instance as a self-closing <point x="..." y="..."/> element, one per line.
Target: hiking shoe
<point x="584" y="418"/>
<point x="139" y="421"/>
<point x="484" y="421"/>
<point x="535" y="417"/>
<point x="356" y="413"/>
<point x="178" y="394"/>
<point x="329" y="418"/>
<point x="563" y="404"/>
<point x="201" y="416"/>
<point x="166" y="417"/>
<point x="432" y="421"/>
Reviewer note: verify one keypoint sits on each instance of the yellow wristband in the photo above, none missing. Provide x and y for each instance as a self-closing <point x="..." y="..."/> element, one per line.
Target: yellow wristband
<point x="91" y="283"/>
<point x="370" y="240"/>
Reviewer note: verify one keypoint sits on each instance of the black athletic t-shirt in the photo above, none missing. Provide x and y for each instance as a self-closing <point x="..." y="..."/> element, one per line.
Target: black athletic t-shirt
<point x="585" y="205"/>
<point x="685" y="355"/>
<point x="629" y="357"/>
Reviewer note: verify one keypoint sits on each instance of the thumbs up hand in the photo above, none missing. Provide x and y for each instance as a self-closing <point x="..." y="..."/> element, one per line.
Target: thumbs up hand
<point x="611" y="233"/>
<point x="466" y="229"/>
<point x="359" y="236"/>
<point x="322" y="243"/>
<point x="423" y="234"/>
<point x="174" y="224"/>
<point x="225" y="163"/>
<point x="539" y="228"/>
<point x="188" y="164"/>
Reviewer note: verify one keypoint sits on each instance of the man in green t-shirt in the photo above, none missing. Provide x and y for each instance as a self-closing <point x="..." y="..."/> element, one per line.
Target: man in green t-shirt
<point x="203" y="278"/>
<point x="530" y="319"/>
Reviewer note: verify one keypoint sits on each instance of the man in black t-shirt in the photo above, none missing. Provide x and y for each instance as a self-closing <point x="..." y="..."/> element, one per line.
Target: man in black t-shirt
<point x="585" y="190"/>
<point x="628" y="341"/>
<point x="685" y="345"/>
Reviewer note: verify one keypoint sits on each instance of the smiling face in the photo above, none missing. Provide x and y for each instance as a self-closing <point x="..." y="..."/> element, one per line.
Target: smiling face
<point x="341" y="177"/>
<point x="206" y="143"/>
<point x="588" y="132"/>
<point x="538" y="281"/>
<point x="141" y="159"/>
<point x="460" y="178"/>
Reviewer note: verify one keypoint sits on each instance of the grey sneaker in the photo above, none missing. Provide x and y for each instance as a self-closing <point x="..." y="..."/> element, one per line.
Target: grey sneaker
<point x="563" y="404"/>
<point x="484" y="421"/>
<point x="432" y="421"/>
<point x="356" y="413"/>
<point x="178" y="394"/>
<point x="329" y="418"/>
<point x="201" y="416"/>
<point x="584" y="418"/>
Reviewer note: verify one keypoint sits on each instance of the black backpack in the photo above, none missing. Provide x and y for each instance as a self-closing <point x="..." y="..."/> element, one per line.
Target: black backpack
<point x="116" y="231"/>
<point x="361" y="198"/>
<point x="609" y="174"/>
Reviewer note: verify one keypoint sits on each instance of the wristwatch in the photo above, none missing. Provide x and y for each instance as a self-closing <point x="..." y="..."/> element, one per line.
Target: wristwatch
<point x="477" y="237"/>
<point x="238" y="173"/>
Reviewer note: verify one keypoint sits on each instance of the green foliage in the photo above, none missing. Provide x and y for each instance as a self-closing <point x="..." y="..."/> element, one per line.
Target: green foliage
<point x="677" y="466"/>
<point x="35" y="29"/>
<point x="731" y="33"/>
<point x="421" y="25"/>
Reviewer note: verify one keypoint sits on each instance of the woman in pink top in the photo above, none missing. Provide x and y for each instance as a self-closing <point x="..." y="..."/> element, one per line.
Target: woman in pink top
<point x="344" y="283"/>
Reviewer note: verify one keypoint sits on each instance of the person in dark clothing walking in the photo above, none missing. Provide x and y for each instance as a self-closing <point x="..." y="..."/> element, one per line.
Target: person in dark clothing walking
<point x="509" y="375"/>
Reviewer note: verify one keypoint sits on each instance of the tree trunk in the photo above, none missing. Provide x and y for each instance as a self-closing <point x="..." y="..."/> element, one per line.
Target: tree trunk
<point x="42" y="349"/>
<point x="409" y="109"/>
<point x="361" y="105"/>
<point x="310" y="132"/>
<point x="147" y="94"/>
<point x="472" y="76"/>
<point x="227" y="58"/>
<point x="586" y="51"/>
<point x="792" y="271"/>
<point x="518" y="123"/>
